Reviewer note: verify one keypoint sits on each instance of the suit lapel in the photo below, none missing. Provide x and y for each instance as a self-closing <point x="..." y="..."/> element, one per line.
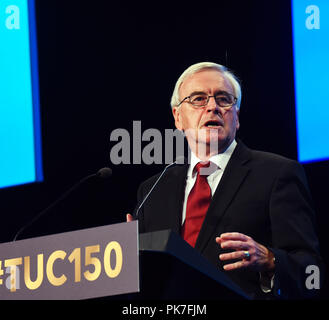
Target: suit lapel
<point x="175" y="187"/>
<point x="234" y="174"/>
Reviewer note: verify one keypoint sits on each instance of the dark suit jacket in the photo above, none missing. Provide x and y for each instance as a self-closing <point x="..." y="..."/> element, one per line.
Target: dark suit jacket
<point x="262" y="195"/>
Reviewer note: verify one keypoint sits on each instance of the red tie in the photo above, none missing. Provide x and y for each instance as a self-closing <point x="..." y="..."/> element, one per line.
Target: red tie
<point x="197" y="204"/>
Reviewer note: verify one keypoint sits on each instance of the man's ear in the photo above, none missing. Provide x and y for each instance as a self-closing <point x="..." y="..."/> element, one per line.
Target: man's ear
<point x="176" y="114"/>
<point x="237" y="120"/>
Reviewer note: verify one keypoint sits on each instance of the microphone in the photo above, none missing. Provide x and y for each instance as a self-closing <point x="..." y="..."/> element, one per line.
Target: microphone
<point x="101" y="174"/>
<point x="178" y="162"/>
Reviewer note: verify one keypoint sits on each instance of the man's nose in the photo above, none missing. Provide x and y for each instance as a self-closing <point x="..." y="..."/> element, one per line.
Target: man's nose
<point x="212" y="105"/>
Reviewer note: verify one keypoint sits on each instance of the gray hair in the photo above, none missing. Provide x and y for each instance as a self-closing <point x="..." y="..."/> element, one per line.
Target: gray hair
<point x="202" y="66"/>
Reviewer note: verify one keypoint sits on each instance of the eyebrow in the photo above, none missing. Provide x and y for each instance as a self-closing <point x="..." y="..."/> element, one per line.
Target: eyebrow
<point x="216" y="92"/>
<point x="197" y="92"/>
<point x="223" y="92"/>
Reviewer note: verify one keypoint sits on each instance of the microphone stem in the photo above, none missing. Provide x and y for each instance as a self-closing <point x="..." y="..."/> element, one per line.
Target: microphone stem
<point x="52" y="205"/>
<point x="156" y="182"/>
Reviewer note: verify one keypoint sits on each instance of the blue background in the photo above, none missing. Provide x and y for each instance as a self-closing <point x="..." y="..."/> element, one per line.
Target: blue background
<point x="20" y="142"/>
<point x="311" y="52"/>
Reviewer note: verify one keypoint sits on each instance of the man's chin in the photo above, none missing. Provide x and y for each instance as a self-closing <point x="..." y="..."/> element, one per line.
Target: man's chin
<point x="209" y="147"/>
<point x="212" y="141"/>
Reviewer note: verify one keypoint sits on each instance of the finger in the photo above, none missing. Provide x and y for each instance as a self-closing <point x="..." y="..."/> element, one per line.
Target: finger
<point x="218" y="240"/>
<point x="232" y="255"/>
<point x="236" y="265"/>
<point x="234" y="244"/>
<point x="129" y="217"/>
<point x="234" y="236"/>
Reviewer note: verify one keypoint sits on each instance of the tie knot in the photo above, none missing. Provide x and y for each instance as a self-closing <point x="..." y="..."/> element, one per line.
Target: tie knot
<point x="205" y="168"/>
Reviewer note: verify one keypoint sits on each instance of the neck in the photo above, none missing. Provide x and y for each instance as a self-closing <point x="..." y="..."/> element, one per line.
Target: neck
<point x="205" y="151"/>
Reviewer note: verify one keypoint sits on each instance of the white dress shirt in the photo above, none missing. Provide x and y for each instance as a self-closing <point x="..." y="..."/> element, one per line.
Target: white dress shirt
<point x="213" y="179"/>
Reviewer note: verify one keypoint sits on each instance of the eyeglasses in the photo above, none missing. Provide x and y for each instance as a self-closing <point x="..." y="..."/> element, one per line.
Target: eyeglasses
<point x="223" y="99"/>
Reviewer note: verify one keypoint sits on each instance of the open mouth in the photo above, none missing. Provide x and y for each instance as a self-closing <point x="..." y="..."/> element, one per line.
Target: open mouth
<point x="212" y="124"/>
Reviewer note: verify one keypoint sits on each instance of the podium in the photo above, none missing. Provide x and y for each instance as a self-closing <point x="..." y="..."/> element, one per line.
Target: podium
<point x="170" y="269"/>
<point x="111" y="262"/>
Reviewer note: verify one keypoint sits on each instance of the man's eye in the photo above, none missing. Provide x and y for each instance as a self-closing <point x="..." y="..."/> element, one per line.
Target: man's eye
<point x="198" y="99"/>
<point x="224" y="99"/>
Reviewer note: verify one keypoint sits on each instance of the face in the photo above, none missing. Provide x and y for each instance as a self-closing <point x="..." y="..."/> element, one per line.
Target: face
<point x="211" y="125"/>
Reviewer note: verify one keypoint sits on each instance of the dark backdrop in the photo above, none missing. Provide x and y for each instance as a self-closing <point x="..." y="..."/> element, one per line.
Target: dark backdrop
<point x="103" y="65"/>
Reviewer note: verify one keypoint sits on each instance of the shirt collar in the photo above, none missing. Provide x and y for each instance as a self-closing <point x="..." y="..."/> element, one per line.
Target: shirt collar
<point x="220" y="159"/>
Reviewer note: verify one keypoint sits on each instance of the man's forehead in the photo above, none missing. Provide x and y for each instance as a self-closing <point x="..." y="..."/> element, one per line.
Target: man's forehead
<point x="206" y="80"/>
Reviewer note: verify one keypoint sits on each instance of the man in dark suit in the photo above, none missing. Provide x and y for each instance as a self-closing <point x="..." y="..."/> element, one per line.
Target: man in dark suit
<point x="249" y="212"/>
